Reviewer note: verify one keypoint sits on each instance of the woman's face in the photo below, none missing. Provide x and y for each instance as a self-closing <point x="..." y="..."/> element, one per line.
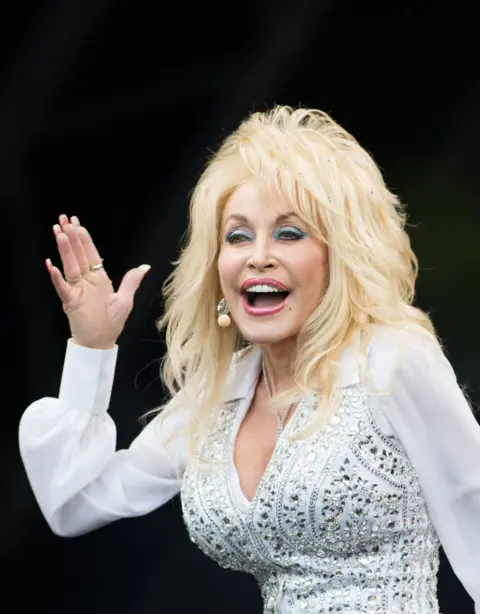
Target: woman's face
<point x="273" y="273"/>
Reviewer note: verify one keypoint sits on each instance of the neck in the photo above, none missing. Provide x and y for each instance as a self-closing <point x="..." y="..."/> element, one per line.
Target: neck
<point x="278" y="362"/>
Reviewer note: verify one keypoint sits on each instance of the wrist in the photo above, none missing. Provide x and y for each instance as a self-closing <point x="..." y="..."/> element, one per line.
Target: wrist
<point x="106" y="346"/>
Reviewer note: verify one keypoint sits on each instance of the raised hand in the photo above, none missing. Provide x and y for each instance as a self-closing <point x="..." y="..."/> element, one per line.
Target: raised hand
<point x="96" y="313"/>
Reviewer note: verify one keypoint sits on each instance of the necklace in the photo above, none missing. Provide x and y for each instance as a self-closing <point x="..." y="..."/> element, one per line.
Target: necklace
<point x="281" y="420"/>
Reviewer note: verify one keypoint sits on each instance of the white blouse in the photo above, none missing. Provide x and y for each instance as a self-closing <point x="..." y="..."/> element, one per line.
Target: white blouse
<point x="81" y="482"/>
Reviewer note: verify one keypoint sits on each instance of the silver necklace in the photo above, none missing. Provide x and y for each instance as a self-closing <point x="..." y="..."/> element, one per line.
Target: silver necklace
<point x="281" y="420"/>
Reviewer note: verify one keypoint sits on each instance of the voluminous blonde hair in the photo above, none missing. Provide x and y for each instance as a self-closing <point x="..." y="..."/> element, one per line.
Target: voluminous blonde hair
<point x="336" y="188"/>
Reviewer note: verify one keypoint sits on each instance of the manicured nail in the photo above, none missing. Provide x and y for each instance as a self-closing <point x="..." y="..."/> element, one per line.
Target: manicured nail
<point x="145" y="267"/>
<point x="75" y="220"/>
<point x="57" y="228"/>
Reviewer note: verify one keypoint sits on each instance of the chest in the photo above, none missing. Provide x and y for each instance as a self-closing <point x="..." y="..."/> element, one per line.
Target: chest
<point x="254" y="446"/>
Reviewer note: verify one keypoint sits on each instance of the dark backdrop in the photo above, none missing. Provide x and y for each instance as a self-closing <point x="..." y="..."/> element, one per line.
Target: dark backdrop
<point x="107" y="111"/>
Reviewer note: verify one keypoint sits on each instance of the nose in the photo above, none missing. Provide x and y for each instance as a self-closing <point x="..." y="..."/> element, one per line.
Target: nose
<point x="261" y="256"/>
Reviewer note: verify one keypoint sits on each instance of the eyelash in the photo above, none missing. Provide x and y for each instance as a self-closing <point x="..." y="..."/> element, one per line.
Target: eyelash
<point x="237" y="235"/>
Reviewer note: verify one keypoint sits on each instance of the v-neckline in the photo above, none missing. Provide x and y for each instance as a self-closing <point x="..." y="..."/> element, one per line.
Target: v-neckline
<point x="349" y="375"/>
<point x="247" y="401"/>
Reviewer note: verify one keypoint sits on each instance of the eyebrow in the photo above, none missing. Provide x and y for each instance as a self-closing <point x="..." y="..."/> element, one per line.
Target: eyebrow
<point x="244" y="219"/>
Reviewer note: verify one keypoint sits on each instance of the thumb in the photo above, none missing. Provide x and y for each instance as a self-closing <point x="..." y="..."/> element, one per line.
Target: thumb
<point x="131" y="281"/>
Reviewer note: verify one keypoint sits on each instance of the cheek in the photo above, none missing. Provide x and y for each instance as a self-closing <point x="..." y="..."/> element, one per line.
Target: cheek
<point x="312" y="273"/>
<point x="228" y="267"/>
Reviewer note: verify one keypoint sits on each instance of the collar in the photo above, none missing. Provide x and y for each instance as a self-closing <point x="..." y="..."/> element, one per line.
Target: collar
<point x="246" y="366"/>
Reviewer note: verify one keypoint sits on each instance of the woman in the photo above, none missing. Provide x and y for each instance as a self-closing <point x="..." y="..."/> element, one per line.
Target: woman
<point x="316" y="431"/>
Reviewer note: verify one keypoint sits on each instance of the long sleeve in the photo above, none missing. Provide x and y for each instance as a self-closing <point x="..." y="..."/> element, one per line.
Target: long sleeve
<point x="428" y="413"/>
<point x="68" y="447"/>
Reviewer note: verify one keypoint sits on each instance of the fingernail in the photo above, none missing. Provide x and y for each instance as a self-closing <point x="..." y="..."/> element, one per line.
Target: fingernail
<point x="56" y="228"/>
<point x="145" y="267"/>
<point x="75" y="220"/>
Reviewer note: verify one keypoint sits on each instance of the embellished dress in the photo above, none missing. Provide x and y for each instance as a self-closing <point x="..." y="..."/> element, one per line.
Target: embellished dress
<point x="348" y="519"/>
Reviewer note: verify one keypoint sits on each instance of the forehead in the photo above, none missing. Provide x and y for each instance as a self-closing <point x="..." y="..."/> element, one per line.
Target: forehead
<point x="256" y="202"/>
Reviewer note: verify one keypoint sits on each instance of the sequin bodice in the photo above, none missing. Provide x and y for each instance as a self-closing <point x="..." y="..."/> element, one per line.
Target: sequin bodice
<point x="338" y="522"/>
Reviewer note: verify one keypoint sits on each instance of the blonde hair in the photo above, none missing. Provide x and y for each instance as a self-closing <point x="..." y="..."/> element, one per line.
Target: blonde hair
<point x="337" y="189"/>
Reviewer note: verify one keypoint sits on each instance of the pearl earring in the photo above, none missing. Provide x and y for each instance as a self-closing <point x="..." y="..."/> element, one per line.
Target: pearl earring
<point x="223" y="311"/>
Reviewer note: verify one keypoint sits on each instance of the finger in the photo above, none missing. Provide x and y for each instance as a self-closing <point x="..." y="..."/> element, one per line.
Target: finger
<point x="70" y="264"/>
<point x="89" y="247"/>
<point x="130" y="283"/>
<point x="63" y="220"/>
<point x="72" y="233"/>
<point x="62" y="288"/>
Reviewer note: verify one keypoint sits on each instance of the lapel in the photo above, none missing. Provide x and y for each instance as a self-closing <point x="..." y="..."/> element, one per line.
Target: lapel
<point x="246" y="365"/>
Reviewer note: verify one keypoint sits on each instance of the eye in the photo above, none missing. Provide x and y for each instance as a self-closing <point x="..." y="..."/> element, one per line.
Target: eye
<point x="237" y="235"/>
<point x="290" y="233"/>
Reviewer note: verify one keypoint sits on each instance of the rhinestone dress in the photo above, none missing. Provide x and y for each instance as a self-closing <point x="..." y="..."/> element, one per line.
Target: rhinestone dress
<point x="338" y="523"/>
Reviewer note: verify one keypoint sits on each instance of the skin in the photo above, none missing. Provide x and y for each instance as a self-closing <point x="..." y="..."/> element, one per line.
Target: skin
<point x="262" y="244"/>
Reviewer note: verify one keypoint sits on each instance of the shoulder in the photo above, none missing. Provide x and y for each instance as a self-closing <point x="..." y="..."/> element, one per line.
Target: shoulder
<point x="395" y="354"/>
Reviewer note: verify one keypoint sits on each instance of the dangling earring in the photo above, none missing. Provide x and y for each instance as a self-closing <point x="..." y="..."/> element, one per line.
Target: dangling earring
<point x="223" y="311"/>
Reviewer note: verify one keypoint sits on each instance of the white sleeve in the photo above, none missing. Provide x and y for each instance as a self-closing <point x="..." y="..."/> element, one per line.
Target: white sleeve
<point x="68" y="447"/>
<point x="430" y="416"/>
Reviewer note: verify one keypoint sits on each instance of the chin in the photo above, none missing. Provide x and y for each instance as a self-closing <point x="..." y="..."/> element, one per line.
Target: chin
<point x="265" y="333"/>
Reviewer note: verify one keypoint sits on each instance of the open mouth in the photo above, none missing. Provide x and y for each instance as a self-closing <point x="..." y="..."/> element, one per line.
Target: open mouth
<point x="265" y="299"/>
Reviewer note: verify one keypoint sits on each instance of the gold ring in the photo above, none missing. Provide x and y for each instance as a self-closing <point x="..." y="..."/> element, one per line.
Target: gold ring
<point x="97" y="267"/>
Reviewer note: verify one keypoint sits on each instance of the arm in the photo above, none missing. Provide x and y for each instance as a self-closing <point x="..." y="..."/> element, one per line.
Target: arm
<point x="430" y="416"/>
<point x="68" y="449"/>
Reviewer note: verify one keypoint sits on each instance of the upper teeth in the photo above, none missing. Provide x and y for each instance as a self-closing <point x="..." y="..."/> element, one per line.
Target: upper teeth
<point x="262" y="288"/>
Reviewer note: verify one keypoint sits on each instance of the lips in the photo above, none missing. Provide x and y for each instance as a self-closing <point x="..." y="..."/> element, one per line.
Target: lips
<point x="262" y="311"/>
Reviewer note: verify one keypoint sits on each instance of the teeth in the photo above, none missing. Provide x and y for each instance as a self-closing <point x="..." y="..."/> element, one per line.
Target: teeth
<point x="262" y="288"/>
